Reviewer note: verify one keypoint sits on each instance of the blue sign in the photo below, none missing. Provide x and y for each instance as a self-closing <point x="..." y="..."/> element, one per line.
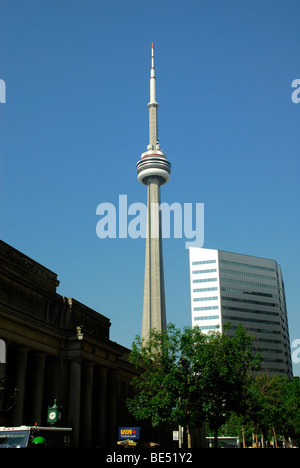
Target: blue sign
<point x="129" y="433"/>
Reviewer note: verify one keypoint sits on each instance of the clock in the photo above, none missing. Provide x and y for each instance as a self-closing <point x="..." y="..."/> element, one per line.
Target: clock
<point x="52" y="415"/>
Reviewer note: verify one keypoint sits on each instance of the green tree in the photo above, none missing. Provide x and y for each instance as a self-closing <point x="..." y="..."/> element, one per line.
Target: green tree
<point x="273" y="407"/>
<point x="258" y="415"/>
<point x="292" y="406"/>
<point x="189" y="377"/>
<point x="169" y="389"/>
<point x="280" y="409"/>
<point x="272" y="412"/>
<point x="229" y="373"/>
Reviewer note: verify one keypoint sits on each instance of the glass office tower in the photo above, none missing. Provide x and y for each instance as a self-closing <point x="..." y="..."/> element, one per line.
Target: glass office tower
<point x="242" y="290"/>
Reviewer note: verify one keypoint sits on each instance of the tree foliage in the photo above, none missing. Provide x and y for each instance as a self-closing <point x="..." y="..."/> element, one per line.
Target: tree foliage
<point x="189" y="377"/>
<point x="169" y="389"/>
<point x="273" y="409"/>
<point x="230" y="367"/>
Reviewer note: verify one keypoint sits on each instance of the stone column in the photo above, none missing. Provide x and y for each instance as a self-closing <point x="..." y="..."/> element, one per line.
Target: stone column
<point x="87" y="405"/>
<point x="20" y="385"/>
<point x="38" y="389"/>
<point x="101" y="425"/>
<point x="74" y="400"/>
<point x="2" y="376"/>
<point x="112" y="407"/>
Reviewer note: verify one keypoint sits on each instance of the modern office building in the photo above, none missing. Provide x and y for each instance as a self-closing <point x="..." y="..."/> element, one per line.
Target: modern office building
<point x="153" y="170"/>
<point x="242" y="290"/>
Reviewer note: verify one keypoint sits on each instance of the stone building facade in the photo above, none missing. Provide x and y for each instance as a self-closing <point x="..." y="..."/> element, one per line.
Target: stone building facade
<point x="55" y="348"/>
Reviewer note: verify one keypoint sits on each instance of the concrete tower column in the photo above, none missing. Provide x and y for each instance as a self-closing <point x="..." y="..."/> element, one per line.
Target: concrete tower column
<point x="154" y="307"/>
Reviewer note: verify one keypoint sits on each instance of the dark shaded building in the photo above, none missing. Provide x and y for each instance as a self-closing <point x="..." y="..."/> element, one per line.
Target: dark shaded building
<point x="58" y="348"/>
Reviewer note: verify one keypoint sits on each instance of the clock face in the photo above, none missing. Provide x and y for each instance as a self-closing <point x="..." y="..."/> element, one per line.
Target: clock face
<point x="52" y="415"/>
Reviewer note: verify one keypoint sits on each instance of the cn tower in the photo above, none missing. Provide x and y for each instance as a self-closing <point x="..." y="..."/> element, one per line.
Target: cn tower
<point x="153" y="170"/>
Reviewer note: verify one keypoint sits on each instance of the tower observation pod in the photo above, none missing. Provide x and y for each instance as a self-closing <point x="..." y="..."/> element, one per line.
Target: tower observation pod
<point x="153" y="170"/>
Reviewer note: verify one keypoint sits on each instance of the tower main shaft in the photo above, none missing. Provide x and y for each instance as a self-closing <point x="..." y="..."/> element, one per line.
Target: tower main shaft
<point x="153" y="170"/>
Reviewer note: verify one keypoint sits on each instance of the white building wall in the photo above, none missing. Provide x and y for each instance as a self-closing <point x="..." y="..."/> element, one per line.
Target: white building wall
<point x="205" y="289"/>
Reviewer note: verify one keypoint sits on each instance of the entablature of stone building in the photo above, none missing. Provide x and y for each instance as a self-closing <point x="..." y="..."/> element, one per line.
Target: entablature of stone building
<point x="26" y="270"/>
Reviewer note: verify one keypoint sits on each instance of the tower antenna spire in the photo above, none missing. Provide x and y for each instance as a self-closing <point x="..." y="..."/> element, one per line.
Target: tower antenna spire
<point x="153" y="106"/>
<point x="152" y="79"/>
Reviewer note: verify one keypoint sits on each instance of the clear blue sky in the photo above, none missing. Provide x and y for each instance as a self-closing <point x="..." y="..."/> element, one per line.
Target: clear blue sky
<point x="76" y="122"/>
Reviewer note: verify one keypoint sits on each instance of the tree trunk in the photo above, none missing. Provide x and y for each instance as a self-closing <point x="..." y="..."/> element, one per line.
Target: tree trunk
<point x="243" y="433"/>
<point x="189" y="438"/>
<point x="256" y="436"/>
<point x="216" y="438"/>
<point x="275" y="439"/>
